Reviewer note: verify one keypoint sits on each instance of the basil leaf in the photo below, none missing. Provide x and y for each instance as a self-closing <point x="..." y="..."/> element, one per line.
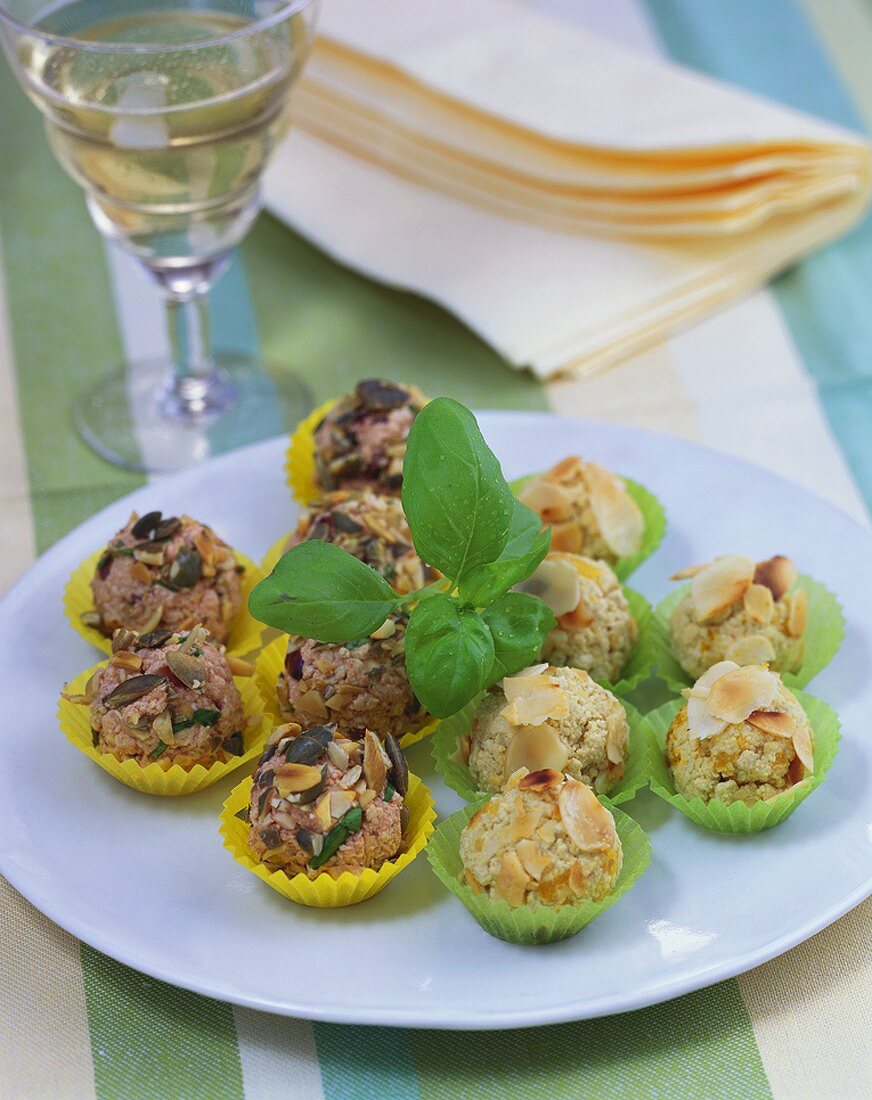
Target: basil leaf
<point x="455" y="497"/>
<point x="519" y="625"/>
<point x="449" y="654"/>
<point x="320" y="591"/>
<point x="527" y="545"/>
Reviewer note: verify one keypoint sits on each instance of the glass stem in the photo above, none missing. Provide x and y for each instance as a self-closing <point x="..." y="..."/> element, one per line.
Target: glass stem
<point x="196" y="389"/>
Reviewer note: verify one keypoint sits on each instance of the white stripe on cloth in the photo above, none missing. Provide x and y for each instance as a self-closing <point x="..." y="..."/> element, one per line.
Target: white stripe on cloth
<point x="278" y="1057"/>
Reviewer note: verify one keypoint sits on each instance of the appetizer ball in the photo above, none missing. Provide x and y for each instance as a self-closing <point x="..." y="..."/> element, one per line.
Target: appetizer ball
<point x="360" y="685"/>
<point x="547" y="717"/>
<point x="321" y="802"/>
<point x="546" y="840"/>
<point x="595" y="630"/>
<point x="166" y="699"/>
<point x="373" y="528"/>
<point x="171" y="572"/>
<point x="742" y="737"/>
<point x="588" y="509"/>
<point x="740" y="611"/>
<point x="361" y="442"/>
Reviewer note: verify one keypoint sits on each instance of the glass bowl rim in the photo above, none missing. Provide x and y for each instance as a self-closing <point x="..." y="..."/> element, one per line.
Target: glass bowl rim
<point x="283" y="12"/>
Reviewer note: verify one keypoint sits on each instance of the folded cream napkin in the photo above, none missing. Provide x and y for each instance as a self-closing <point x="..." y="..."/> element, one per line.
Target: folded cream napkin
<point x="571" y="201"/>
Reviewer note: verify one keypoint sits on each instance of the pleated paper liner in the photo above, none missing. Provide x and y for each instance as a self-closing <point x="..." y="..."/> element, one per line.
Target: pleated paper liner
<point x="245" y="633"/>
<point x="270" y="663"/>
<point x="736" y="817"/>
<point x="300" y="458"/>
<point x="75" y="722"/>
<point x="459" y="777"/>
<point x="325" y="892"/>
<point x="823" y="636"/>
<point x="532" y="924"/>
<point x="653" y="514"/>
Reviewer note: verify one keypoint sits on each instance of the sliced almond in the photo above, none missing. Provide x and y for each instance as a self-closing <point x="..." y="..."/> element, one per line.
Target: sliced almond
<point x="734" y="696"/>
<point x="387" y="630"/>
<point x="534" y="861"/>
<point x="535" y="748"/>
<point x="322" y="812"/>
<point x="616" y="736"/>
<point x="567" y="537"/>
<point x="294" y="778"/>
<point x="365" y="798"/>
<point x="577" y="619"/>
<point x="512" y="880"/>
<point x="549" y="501"/>
<point x="700" y="723"/>
<point x="758" y="603"/>
<point x="375" y="762"/>
<point x="711" y="675"/>
<point x="720" y="585"/>
<point x="556" y="583"/>
<point x="340" y="803"/>
<point x="589" y="824"/>
<point x="126" y="660"/>
<point x="540" y="781"/>
<point x="688" y="572"/>
<point x="752" y="649"/>
<point x="778" y="574"/>
<point x="619" y="517"/>
<point x="797" y="615"/>
<point x="566" y="471"/>
<point x="536" y="706"/>
<point x="139" y="571"/>
<point x="238" y="666"/>
<point x="531" y="670"/>
<point x="776" y="722"/>
<point x="802" y="742"/>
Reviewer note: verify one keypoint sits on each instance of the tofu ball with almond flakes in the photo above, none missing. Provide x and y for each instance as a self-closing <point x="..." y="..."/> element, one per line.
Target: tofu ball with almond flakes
<point x="547" y="717"/>
<point x="587" y="508"/>
<point x="361" y="442"/>
<point x="166" y="571"/>
<point x="322" y="802"/>
<point x="739" y="610"/>
<point x="545" y="840"/>
<point x="741" y="737"/>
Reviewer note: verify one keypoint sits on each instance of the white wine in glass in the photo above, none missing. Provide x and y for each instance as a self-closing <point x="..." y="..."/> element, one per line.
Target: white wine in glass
<point x="167" y="114"/>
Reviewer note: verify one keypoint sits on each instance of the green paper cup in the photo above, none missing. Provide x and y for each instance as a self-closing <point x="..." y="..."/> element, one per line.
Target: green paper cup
<point x="736" y="817"/>
<point x="652" y="512"/>
<point x="643" y="657"/>
<point x="823" y="636"/>
<point x="459" y="777"/>
<point x="531" y="924"/>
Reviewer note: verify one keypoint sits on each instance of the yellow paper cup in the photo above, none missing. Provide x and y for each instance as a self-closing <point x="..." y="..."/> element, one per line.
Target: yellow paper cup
<point x="326" y="892"/>
<point x="245" y="633"/>
<point x="269" y="664"/>
<point x="75" y="722"/>
<point x="300" y="459"/>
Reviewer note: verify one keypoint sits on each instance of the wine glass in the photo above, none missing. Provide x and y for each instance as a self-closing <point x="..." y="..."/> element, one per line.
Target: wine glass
<point x="166" y="113"/>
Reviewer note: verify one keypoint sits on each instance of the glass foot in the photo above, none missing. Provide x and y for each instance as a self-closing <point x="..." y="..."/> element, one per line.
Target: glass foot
<point x="134" y="420"/>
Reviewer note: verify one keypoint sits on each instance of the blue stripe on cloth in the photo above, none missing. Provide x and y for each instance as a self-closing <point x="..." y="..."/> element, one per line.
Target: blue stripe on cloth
<point x="770" y="48"/>
<point x="358" y="1062"/>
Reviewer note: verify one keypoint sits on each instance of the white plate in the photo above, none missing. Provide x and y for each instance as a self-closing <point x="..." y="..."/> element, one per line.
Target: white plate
<point x="146" y="880"/>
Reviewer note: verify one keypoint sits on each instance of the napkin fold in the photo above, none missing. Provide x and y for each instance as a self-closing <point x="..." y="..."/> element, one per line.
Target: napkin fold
<point x="572" y="202"/>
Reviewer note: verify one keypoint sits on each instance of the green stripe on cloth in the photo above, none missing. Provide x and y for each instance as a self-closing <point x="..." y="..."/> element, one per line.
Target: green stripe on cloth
<point x="825" y="299"/>
<point x="359" y="1062"/>
<point x="63" y="327"/>
<point x="150" y="1040"/>
<point x="700" y="1046"/>
<point x="333" y="326"/>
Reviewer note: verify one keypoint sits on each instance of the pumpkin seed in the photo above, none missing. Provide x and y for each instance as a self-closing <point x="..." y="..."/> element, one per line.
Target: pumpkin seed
<point x="304" y="750"/>
<point x="144" y="526"/>
<point x="186" y="568"/>
<point x="154" y="639"/>
<point x="310" y="841"/>
<point x="166" y="528"/>
<point x="244" y="815"/>
<point x="343" y="522"/>
<point x="187" y="668"/>
<point x="123" y="638"/>
<point x="131" y="690"/>
<point x="303" y="797"/>
<point x="233" y="745"/>
<point x="404" y="817"/>
<point x="95" y="737"/>
<point x="399" y="764"/>
<point x="376" y="394"/>
<point x="270" y="837"/>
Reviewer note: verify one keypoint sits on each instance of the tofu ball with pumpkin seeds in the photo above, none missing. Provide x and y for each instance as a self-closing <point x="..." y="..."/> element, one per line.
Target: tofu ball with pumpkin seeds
<point x="741" y="737"/>
<point x="361" y="442"/>
<point x="359" y="685"/>
<point x="739" y="610"/>
<point x="324" y="803"/>
<point x="371" y="527"/>
<point x="548" y="717"/>
<point x="166" y="571"/>
<point x="166" y="699"/>
<point x="544" y="840"/>
<point x="595" y="629"/>
<point x="587" y="508"/>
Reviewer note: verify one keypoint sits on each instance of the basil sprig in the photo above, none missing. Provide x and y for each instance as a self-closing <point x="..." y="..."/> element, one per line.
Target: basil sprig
<point x="468" y="629"/>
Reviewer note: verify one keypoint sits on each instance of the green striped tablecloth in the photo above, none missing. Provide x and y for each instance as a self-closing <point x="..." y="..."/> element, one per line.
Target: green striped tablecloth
<point x="784" y="379"/>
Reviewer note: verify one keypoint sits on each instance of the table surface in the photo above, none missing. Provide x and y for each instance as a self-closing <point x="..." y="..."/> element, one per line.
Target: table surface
<point x="782" y="379"/>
